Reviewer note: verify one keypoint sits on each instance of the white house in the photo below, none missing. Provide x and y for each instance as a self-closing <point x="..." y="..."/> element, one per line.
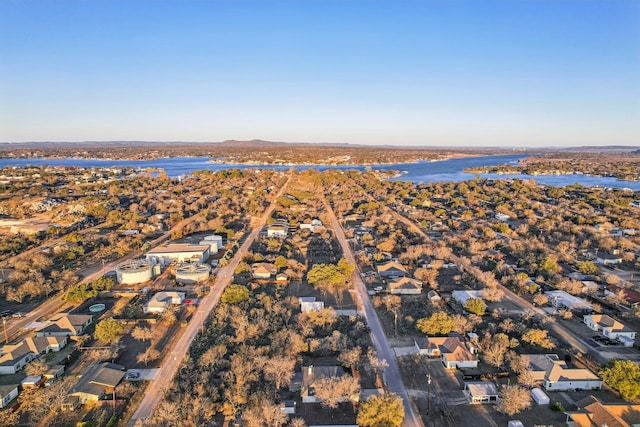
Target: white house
<point x="178" y="252"/>
<point x="279" y="229"/>
<point x="610" y="328"/>
<point x="315" y="224"/>
<point x="7" y="394"/>
<point x="605" y="258"/>
<point x="562" y="378"/>
<point x="15" y="359"/>
<point x="481" y="392"/>
<point x="263" y="270"/>
<point x="463" y="296"/>
<point x="561" y="299"/>
<point x="405" y="286"/>
<point x="310" y="304"/>
<point x="160" y="301"/>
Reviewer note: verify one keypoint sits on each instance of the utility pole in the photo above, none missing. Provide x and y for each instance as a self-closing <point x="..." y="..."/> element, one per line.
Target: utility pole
<point x="428" y="393"/>
<point x="4" y="323"/>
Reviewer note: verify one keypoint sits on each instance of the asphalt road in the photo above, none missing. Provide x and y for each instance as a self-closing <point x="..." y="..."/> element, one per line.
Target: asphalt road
<point x="172" y="362"/>
<point x="392" y="376"/>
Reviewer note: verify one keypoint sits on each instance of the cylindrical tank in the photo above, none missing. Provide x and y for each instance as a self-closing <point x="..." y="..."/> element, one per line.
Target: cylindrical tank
<point x="215" y="238"/>
<point x="190" y="273"/>
<point x="134" y="271"/>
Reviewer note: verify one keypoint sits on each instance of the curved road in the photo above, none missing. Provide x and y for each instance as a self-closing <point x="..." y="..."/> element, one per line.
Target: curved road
<point x="172" y="361"/>
<point x="391" y="373"/>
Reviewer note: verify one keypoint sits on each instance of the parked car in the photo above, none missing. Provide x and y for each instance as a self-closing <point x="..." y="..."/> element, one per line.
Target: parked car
<point x="133" y="375"/>
<point x="6" y="313"/>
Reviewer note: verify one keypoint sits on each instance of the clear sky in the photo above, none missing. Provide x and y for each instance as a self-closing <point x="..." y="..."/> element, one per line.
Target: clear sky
<point x="494" y="73"/>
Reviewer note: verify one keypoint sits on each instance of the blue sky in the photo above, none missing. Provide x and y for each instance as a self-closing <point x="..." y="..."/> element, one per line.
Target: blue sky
<point x="448" y="73"/>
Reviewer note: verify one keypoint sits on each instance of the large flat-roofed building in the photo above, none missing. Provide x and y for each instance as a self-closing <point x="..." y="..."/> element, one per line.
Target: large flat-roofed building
<point x="178" y="252"/>
<point x="561" y="299"/>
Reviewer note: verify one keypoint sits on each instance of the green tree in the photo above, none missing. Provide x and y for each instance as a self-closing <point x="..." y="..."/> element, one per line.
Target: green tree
<point x="109" y="330"/>
<point x="384" y="410"/>
<point x="235" y="294"/>
<point x="439" y="323"/>
<point x="280" y="262"/>
<point x="79" y="293"/>
<point x="475" y="306"/>
<point x="538" y="337"/>
<point x="345" y="267"/>
<point x="623" y="376"/>
<point x="587" y="267"/>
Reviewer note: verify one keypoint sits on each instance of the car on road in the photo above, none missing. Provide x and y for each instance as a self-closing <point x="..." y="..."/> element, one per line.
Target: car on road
<point x="6" y="313"/>
<point x="19" y="314"/>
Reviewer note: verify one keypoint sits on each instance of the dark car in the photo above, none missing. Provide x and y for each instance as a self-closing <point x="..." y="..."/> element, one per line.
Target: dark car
<point x="133" y="375"/>
<point x="6" y="313"/>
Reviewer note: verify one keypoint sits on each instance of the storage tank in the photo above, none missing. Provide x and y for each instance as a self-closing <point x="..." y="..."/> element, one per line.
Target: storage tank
<point x="190" y="273"/>
<point x="134" y="271"/>
<point x="213" y="245"/>
<point x="215" y="238"/>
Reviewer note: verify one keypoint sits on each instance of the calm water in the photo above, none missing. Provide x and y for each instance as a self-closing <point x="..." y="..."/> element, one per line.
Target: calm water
<point x="440" y="171"/>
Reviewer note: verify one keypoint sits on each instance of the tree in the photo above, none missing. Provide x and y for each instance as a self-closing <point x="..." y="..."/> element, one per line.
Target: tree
<point x="393" y="304"/>
<point x="475" y="306"/>
<point x="329" y="280"/>
<point x="513" y="399"/>
<point x="267" y="414"/>
<point x="540" y="299"/>
<point x="587" y="267"/>
<point x="109" y="330"/>
<point x="235" y="294"/>
<point x="439" y="323"/>
<point x="538" y="337"/>
<point x="141" y="333"/>
<point x="148" y="356"/>
<point x="623" y="376"/>
<point x="345" y="267"/>
<point x="37" y="367"/>
<point x="494" y="348"/>
<point x="384" y="410"/>
<point x="280" y="262"/>
<point x="333" y="390"/>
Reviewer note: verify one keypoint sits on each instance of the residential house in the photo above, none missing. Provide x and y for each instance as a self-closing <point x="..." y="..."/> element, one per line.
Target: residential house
<point x="433" y="296"/>
<point x="391" y="269"/>
<point x="481" y="392"/>
<point x="630" y="296"/>
<point x="55" y="371"/>
<point x="31" y="381"/>
<point x="7" y="394"/>
<point x="452" y="351"/>
<point x="96" y="381"/>
<point x="38" y="345"/>
<point x="606" y="258"/>
<point x="592" y="412"/>
<point x="310" y="304"/>
<point x="463" y="296"/>
<point x="263" y="270"/>
<point x="279" y="229"/>
<point x="64" y="324"/>
<point x="315" y="224"/>
<point x="405" y="286"/>
<point x="561" y="299"/>
<point x="539" y="364"/>
<point x="178" y="252"/>
<point x="610" y="328"/>
<point x="162" y="300"/>
<point x="310" y="374"/>
<point x="12" y="360"/>
<point x="282" y="278"/>
<point x="562" y="378"/>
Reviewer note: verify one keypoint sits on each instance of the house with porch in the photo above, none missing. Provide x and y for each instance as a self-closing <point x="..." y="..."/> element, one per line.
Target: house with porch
<point x="391" y="269"/>
<point x="65" y="325"/>
<point x="591" y="412"/>
<point x="263" y="270"/>
<point x="452" y="351"/>
<point x="97" y="381"/>
<point x="405" y="286"/>
<point x="560" y="377"/>
<point x="14" y="359"/>
<point x="481" y="392"/>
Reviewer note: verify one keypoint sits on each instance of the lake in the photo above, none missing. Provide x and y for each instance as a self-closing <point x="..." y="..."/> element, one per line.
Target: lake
<point x="419" y="172"/>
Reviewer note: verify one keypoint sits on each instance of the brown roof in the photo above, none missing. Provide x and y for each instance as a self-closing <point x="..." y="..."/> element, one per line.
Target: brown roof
<point x="594" y="413"/>
<point x="609" y="323"/>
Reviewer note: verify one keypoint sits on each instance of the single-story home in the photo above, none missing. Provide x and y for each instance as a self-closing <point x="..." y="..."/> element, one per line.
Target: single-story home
<point x="452" y="351"/>
<point x="610" y="328"/>
<point x="562" y="299"/>
<point x="263" y="270"/>
<point x="605" y="258"/>
<point x="593" y="412"/>
<point x="562" y="378"/>
<point x="481" y="392"/>
<point x="7" y="394"/>
<point x="279" y="229"/>
<point x="13" y="360"/>
<point x="31" y="381"/>
<point x="391" y="269"/>
<point x="310" y="304"/>
<point x="405" y="286"/>
<point x="465" y="295"/>
<point x="64" y="325"/>
<point x="160" y="301"/>
<point x="40" y="345"/>
<point x="315" y="224"/>
<point x="539" y="364"/>
<point x="631" y="296"/>
<point x="96" y="381"/>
